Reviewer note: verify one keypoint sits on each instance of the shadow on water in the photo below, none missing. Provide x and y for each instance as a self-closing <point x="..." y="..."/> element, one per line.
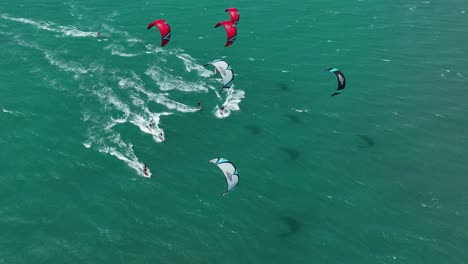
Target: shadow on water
<point x="294" y="119"/>
<point x="293" y="226"/>
<point x="366" y="141"/>
<point x="283" y="86"/>
<point x="293" y="153"/>
<point x="255" y="130"/>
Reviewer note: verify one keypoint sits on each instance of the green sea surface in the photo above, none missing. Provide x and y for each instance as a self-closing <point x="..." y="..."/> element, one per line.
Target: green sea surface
<point x="378" y="174"/>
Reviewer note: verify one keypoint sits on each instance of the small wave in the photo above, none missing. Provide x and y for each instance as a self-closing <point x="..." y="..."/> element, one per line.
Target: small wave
<point x="170" y="104"/>
<point x="118" y="50"/>
<point x="108" y="97"/>
<point x="191" y="64"/>
<point x="5" y="33"/>
<point x="301" y="110"/>
<point x="111" y="17"/>
<point x="332" y="115"/>
<point x="133" y="41"/>
<point x="115" y="31"/>
<point x="73" y="32"/>
<point x="27" y="44"/>
<point x="160" y="98"/>
<point x="86" y="116"/>
<point x="53" y="60"/>
<point x="11" y="112"/>
<point x="167" y="82"/>
<point x="150" y="48"/>
<point x="73" y="11"/>
<point x="52" y="27"/>
<point x="72" y="67"/>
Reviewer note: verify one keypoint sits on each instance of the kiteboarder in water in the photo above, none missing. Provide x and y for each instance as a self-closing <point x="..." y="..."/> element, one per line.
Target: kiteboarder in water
<point x="221" y="110"/>
<point x="150" y="125"/>
<point x="199" y="105"/>
<point x="98" y="35"/>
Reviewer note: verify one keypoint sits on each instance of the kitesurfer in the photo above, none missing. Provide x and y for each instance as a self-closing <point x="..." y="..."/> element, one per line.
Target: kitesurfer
<point x="161" y="135"/>
<point x="145" y="170"/>
<point x="199" y="105"/>
<point x="221" y="110"/>
<point x="98" y="35"/>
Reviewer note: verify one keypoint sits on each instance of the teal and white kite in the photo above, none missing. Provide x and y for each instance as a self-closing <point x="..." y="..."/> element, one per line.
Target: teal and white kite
<point x="229" y="171"/>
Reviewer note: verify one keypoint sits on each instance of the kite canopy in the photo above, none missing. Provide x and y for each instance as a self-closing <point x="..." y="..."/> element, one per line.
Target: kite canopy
<point x="164" y="29"/>
<point x="234" y="13"/>
<point x="340" y="78"/>
<point x="229" y="171"/>
<point x="225" y="70"/>
<point x="231" y="31"/>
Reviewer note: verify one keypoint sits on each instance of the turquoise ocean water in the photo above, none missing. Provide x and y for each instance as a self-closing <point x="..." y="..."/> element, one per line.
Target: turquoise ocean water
<point x="378" y="174"/>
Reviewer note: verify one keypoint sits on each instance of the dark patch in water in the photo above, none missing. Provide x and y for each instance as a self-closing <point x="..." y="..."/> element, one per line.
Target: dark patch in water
<point x="294" y="119"/>
<point x="292" y="152"/>
<point x="283" y="86"/>
<point x="293" y="226"/>
<point x="366" y="141"/>
<point x="255" y="130"/>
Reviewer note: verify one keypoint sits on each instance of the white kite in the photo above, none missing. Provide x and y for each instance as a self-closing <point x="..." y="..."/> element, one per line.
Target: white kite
<point x="229" y="171"/>
<point x="225" y="70"/>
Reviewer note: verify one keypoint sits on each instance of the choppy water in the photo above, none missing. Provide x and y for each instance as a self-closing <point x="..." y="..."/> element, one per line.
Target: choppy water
<point x="375" y="175"/>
